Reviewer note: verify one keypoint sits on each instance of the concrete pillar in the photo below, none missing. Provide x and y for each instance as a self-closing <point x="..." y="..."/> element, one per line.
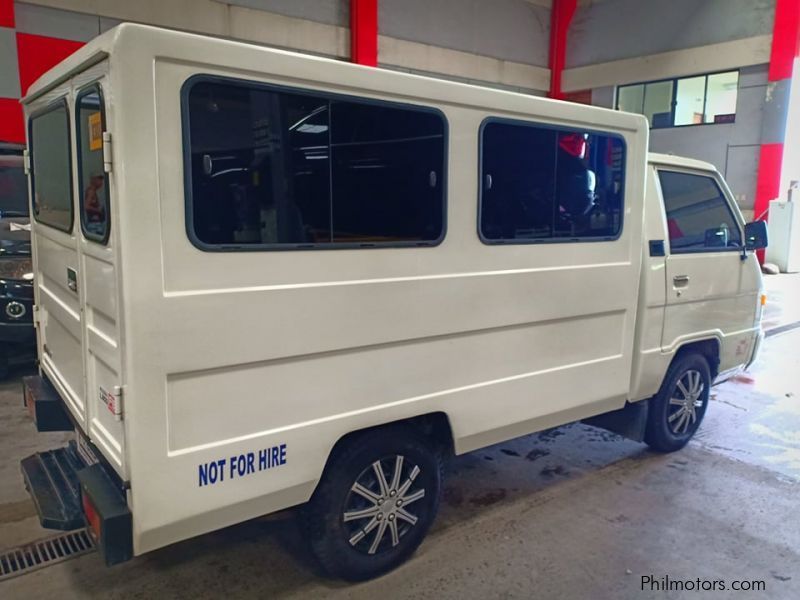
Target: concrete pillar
<point x="784" y="51"/>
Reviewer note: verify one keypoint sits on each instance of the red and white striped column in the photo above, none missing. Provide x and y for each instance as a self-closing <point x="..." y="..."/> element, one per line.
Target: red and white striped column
<point x="785" y="45"/>
<point x="24" y="57"/>
<point x="11" y="125"/>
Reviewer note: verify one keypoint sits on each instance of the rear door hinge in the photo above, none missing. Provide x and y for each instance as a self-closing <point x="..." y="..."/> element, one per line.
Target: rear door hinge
<point x="108" y="159"/>
<point x="36" y="315"/>
<point x="113" y="401"/>
<point x="26" y="161"/>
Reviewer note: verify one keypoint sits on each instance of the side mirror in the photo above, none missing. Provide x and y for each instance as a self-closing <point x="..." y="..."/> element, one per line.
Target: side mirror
<point x="755" y="235"/>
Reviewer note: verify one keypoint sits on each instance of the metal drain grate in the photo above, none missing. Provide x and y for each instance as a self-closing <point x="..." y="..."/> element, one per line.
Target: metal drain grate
<point x="43" y="553"/>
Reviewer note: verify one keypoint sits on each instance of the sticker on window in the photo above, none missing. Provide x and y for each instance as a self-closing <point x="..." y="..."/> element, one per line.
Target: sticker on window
<point x="95" y="132"/>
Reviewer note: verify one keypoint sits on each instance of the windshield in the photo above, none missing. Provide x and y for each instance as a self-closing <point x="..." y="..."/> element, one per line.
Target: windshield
<point x="13" y="186"/>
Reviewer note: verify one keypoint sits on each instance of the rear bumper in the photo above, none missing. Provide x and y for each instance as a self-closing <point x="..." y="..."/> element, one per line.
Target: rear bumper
<point x="70" y="487"/>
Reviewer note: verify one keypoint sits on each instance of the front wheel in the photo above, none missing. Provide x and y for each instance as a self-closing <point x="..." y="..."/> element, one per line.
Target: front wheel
<point x="678" y="408"/>
<point x="375" y="503"/>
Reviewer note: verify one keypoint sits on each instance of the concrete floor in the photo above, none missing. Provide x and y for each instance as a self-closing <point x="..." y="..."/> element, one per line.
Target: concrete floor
<point x="570" y="513"/>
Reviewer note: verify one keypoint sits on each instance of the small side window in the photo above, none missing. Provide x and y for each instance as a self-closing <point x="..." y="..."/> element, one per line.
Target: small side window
<point x="92" y="178"/>
<point x="541" y="183"/>
<point x="698" y="216"/>
<point x="52" y="167"/>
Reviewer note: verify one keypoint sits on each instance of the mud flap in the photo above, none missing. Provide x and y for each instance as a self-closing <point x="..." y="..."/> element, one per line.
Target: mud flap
<point x="629" y="421"/>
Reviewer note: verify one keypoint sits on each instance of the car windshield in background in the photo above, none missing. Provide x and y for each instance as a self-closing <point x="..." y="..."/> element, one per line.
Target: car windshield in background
<point x="13" y="185"/>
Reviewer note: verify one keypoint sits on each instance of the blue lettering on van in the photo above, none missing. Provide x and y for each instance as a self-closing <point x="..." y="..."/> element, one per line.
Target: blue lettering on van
<point x="241" y="465"/>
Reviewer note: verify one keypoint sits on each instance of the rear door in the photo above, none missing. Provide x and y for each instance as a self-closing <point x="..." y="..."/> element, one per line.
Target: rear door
<point x="708" y="288"/>
<point x="98" y="270"/>
<point x="76" y="264"/>
<point x="55" y="241"/>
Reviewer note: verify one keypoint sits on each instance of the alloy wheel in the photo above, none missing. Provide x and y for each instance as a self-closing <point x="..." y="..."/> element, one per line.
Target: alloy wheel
<point x="686" y="399"/>
<point x="379" y="505"/>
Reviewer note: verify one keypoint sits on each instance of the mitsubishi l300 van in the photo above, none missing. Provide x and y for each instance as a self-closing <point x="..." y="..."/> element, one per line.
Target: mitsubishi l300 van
<point x="267" y="280"/>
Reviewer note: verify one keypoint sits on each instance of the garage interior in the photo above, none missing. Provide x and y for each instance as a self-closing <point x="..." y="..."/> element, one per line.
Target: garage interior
<point x="573" y="512"/>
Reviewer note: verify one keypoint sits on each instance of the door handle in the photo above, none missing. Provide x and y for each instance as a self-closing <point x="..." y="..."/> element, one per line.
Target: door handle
<point x="72" y="279"/>
<point x="680" y="281"/>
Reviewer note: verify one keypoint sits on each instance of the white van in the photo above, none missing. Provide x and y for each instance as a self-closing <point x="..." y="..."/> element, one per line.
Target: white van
<point x="265" y="279"/>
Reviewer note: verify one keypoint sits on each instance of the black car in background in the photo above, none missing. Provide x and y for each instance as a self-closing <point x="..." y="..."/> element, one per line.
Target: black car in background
<point x="17" y="335"/>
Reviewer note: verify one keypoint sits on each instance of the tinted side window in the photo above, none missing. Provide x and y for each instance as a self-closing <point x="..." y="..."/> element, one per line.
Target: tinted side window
<point x="541" y="183"/>
<point x="52" y="167"/>
<point x="388" y="166"/>
<point x="698" y="215"/>
<point x="92" y="179"/>
<point x="289" y="169"/>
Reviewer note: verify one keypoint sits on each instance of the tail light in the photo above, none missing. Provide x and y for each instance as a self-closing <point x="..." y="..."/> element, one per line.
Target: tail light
<point x="92" y="518"/>
<point x="107" y="514"/>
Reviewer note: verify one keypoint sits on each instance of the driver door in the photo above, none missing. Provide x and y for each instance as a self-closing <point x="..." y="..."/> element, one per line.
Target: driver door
<point x="708" y="292"/>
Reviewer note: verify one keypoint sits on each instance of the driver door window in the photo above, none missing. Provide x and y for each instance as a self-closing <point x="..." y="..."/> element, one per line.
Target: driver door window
<point x="699" y="218"/>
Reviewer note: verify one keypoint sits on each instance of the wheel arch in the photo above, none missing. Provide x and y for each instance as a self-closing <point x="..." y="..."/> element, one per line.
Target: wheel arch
<point x="708" y="348"/>
<point x="433" y="426"/>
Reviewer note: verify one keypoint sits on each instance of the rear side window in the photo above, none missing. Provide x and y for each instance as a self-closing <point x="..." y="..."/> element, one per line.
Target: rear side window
<point x="540" y="183"/>
<point x="698" y="215"/>
<point x="52" y="167"/>
<point x="280" y="169"/>
<point x="92" y="178"/>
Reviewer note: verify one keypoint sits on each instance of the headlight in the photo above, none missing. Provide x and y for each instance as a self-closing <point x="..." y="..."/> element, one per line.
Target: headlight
<point x="16" y="268"/>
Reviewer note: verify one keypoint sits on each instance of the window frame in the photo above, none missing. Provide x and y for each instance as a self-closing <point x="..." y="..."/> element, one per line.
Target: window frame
<point x="723" y="193"/>
<point x="193" y="80"/>
<point x="52" y="107"/>
<point x="85" y="91"/>
<point x="674" y="99"/>
<point x="551" y="240"/>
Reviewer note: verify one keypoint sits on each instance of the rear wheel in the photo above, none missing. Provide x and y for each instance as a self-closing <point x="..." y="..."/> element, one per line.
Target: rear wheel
<point x="679" y="407"/>
<point x="375" y="503"/>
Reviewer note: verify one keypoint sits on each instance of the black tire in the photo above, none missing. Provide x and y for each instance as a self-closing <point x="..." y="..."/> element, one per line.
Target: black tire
<point x="331" y="536"/>
<point x="674" y="416"/>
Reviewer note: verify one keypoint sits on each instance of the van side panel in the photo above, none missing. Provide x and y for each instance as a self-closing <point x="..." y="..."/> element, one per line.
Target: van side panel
<point x="268" y="358"/>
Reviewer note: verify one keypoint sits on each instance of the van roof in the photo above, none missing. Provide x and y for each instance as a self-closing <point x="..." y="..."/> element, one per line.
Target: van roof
<point x="654" y="158"/>
<point x="133" y="37"/>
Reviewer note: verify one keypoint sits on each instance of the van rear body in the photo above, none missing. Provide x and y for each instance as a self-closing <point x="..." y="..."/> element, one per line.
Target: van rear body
<point x="246" y="260"/>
